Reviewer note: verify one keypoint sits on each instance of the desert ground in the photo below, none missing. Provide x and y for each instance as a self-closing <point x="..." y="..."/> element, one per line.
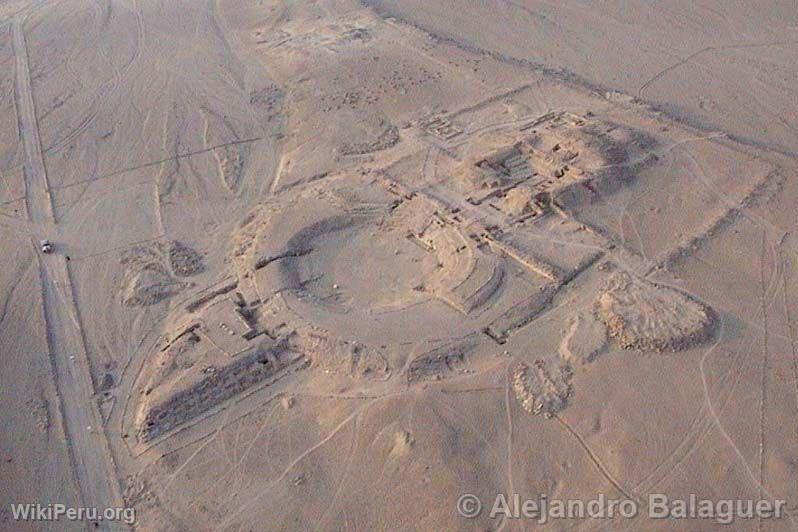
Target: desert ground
<point x="333" y="264"/>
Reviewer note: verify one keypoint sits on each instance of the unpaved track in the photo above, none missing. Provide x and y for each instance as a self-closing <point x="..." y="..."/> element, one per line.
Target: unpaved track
<point x="92" y="461"/>
<point x="40" y="207"/>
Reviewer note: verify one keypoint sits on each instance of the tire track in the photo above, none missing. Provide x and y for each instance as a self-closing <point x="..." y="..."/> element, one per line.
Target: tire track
<point x="790" y="326"/>
<point x="89" y="452"/>
<point x="763" y="384"/>
<point x="104" y="93"/>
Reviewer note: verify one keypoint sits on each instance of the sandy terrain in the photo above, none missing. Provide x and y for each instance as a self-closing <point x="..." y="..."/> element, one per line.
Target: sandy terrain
<point x="331" y="265"/>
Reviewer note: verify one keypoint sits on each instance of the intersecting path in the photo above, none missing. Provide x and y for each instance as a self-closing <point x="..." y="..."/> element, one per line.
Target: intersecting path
<point x="86" y="440"/>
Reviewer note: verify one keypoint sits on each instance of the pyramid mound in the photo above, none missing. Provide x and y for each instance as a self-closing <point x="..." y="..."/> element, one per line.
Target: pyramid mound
<point x="642" y="315"/>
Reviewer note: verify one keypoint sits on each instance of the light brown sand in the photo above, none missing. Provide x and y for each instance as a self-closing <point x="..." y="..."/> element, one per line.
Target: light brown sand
<point x="320" y="265"/>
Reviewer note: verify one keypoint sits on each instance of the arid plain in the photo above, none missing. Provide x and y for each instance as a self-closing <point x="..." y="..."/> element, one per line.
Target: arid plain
<point x="330" y="265"/>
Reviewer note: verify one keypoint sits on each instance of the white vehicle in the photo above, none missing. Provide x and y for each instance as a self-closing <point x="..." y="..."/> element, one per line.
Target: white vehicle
<point x="46" y="246"/>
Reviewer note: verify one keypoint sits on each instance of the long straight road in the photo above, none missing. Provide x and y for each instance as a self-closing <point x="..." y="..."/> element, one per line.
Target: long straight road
<point x="40" y="207"/>
<point x="89" y="451"/>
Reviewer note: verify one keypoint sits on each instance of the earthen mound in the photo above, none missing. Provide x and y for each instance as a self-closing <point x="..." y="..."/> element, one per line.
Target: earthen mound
<point x="643" y="315"/>
<point x="370" y="135"/>
<point x="148" y="285"/>
<point x="184" y="261"/>
<point x="151" y="272"/>
<point x="197" y="390"/>
<point x="543" y="387"/>
<point x="440" y="362"/>
<point x="518" y="201"/>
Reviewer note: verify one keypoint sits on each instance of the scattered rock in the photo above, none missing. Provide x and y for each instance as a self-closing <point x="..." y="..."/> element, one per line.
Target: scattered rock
<point x="543" y="387"/>
<point x="441" y="361"/>
<point x="184" y="261"/>
<point x="151" y="272"/>
<point x="388" y="137"/>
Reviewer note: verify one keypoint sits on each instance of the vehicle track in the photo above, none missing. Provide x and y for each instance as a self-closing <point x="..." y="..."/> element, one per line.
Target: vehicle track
<point x="790" y="323"/>
<point x="106" y="91"/>
<point x="709" y="416"/>
<point x="86" y="440"/>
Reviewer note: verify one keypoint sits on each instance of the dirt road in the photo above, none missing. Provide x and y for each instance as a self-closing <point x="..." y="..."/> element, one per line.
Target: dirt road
<point x="92" y="461"/>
